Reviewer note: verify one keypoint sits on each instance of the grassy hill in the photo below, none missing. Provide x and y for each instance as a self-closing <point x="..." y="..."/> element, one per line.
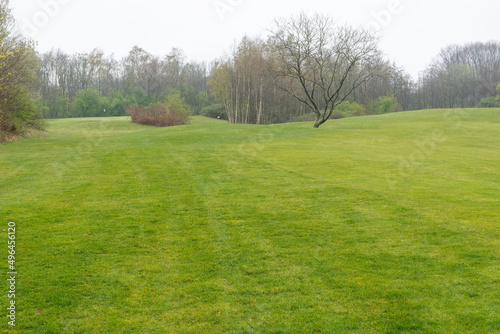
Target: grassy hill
<point x="385" y="224"/>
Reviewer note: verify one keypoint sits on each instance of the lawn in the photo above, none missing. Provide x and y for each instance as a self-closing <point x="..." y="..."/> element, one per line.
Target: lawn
<point x="382" y="224"/>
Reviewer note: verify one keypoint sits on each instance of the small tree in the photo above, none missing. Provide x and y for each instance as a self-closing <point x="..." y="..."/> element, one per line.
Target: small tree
<point x="222" y="91"/>
<point x="174" y="101"/>
<point x="321" y="64"/>
<point x="19" y="110"/>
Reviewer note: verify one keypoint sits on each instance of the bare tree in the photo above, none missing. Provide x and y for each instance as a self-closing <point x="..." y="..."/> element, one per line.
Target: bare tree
<point x="461" y="75"/>
<point x="326" y="61"/>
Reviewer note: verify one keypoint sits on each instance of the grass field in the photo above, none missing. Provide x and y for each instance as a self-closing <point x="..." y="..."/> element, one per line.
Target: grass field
<point x="384" y="224"/>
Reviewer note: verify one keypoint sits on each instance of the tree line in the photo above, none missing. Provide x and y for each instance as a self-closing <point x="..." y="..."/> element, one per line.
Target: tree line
<point x="93" y="84"/>
<point x="248" y="85"/>
<point x="308" y="68"/>
<point x="462" y="76"/>
<point x="338" y="72"/>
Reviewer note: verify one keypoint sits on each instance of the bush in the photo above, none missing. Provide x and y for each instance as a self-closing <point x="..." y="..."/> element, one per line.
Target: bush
<point x="310" y="117"/>
<point x="23" y="117"/>
<point x="384" y="105"/>
<point x="337" y="115"/>
<point x="490" y="102"/>
<point x="349" y="109"/>
<point x="174" y="101"/>
<point x="215" y="111"/>
<point x="158" y="115"/>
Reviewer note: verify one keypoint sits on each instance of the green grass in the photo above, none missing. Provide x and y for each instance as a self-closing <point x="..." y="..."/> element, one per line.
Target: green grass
<point x="386" y="224"/>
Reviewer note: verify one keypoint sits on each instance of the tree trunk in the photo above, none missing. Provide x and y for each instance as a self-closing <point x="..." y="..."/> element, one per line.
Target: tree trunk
<point x="259" y="112"/>
<point x="319" y="121"/>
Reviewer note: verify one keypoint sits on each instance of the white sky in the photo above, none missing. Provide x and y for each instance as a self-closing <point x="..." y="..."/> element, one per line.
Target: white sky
<point x="412" y="31"/>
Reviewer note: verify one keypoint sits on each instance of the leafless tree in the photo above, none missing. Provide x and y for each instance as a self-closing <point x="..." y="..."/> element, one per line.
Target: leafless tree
<point x="326" y="61"/>
<point x="461" y="76"/>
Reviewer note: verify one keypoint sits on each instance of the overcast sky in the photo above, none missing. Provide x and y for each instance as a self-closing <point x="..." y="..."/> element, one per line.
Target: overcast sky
<point x="412" y="31"/>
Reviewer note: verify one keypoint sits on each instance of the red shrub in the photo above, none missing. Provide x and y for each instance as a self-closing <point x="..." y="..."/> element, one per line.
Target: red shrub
<point x="157" y="115"/>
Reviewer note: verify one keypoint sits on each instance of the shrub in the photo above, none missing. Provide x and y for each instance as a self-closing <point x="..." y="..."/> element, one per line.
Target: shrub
<point x="384" y="105"/>
<point x="349" y="109"/>
<point x="214" y="111"/>
<point x="490" y="102"/>
<point x="310" y="117"/>
<point x="158" y="115"/>
<point x="174" y="101"/>
<point x="337" y="115"/>
<point x="23" y="117"/>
